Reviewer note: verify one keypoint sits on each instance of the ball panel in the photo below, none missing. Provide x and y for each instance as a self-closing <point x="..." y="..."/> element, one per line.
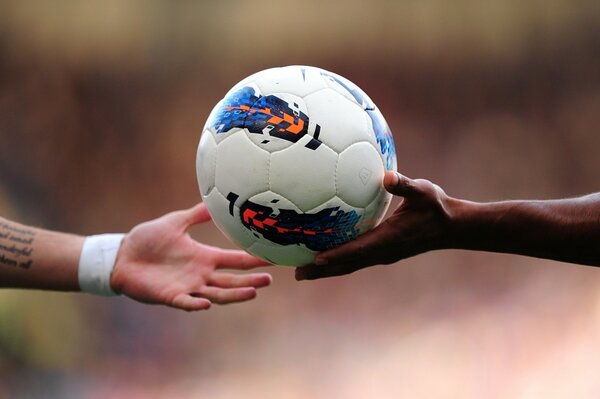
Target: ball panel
<point x="336" y="202"/>
<point x="222" y="136"/>
<point x="341" y="121"/>
<point x="215" y="125"/>
<point x="280" y="223"/>
<point x="232" y="112"/>
<point x="274" y="200"/>
<point x="383" y="136"/>
<point x="304" y="175"/>
<point x="242" y="168"/>
<point x="347" y="89"/>
<point x="248" y="81"/>
<point x="282" y="255"/>
<point x="372" y="137"/>
<point x="208" y="125"/>
<point x="359" y="174"/>
<point x="376" y="210"/>
<point x="206" y="161"/>
<point x="226" y="216"/>
<point x="276" y="121"/>
<point x="296" y="79"/>
<point x="343" y="219"/>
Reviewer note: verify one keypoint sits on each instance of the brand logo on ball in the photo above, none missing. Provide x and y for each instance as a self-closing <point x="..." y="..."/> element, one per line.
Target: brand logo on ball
<point x="318" y="231"/>
<point x="256" y="113"/>
<point x="364" y="174"/>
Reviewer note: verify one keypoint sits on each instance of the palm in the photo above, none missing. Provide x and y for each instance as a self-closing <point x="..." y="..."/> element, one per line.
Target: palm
<point x="413" y="228"/>
<point x="160" y="263"/>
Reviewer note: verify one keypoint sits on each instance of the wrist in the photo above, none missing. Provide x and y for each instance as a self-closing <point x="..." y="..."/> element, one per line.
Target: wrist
<point x="96" y="263"/>
<point x="461" y="216"/>
<point x="486" y="226"/>
<point x="118" y="276"/>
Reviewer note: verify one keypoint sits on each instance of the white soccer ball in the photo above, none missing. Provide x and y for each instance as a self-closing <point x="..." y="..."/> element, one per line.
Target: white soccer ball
<point x="291" y="162"/>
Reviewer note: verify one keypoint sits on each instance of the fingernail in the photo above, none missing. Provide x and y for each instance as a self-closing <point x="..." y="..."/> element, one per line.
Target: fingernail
<point x="299" y="275"/>
<point x="321" y="261"/>
<point x="390" y="179"/>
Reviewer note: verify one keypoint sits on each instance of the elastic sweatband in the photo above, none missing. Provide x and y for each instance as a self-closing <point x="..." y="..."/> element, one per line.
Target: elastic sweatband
<point x="96" y="263"/>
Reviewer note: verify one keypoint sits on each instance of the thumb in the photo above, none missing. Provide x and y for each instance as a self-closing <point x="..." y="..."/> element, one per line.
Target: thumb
<point x="397" y="184"/>
<point x="197" y="214"/>
<point x="194" y="215"/>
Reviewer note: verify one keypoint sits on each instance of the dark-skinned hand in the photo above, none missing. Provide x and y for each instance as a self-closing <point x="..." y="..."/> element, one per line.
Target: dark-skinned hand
<point x="418" y="225"/>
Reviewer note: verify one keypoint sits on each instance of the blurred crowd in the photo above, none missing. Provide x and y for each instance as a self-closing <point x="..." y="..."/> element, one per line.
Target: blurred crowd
<point x="101" y="109"/>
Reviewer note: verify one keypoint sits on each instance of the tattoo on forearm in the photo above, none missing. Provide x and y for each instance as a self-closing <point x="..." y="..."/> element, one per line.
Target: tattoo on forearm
<point x="16" y="245"/>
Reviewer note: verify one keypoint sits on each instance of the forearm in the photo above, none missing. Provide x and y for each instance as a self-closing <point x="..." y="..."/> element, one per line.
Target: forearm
<point x="37" y="258"/>
<point x="565" y="230"/>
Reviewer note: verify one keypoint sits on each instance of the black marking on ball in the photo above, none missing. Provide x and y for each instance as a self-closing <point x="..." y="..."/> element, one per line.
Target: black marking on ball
<point x="314" y="143"/>
<point x="232" y="197"/>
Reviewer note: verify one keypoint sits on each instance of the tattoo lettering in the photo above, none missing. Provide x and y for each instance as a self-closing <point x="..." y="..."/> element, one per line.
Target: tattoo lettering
<point x="16" y="245"/>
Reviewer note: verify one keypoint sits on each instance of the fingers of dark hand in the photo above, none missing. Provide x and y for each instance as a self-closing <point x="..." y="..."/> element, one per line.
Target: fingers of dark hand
<point x="313" y="272"/>
<point x="398" y="184"/>
<point x="364" y="249"/>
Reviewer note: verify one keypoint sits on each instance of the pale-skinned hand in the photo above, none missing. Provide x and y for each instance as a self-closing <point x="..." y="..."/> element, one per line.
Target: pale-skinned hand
<point x="160" y="263"/>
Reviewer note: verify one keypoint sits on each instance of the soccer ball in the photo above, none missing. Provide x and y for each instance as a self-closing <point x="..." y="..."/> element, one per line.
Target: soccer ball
<point x="291" y="162"/>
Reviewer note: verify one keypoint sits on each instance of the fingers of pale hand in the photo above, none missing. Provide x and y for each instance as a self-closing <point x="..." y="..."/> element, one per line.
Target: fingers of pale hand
<point x="235" y="259"/>
<point x="196" y="214"/>
<point x="224" y="296"/>
<point x="185" y="218"/>
<point x="190" y="303"/>
<point x="229" y="280"/>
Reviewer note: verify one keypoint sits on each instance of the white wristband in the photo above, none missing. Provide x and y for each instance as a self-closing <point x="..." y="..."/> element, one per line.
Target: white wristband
<point x="96" y="263"/>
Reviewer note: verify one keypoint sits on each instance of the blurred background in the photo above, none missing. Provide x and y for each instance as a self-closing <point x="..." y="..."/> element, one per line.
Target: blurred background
<point x="101" y="108"/>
